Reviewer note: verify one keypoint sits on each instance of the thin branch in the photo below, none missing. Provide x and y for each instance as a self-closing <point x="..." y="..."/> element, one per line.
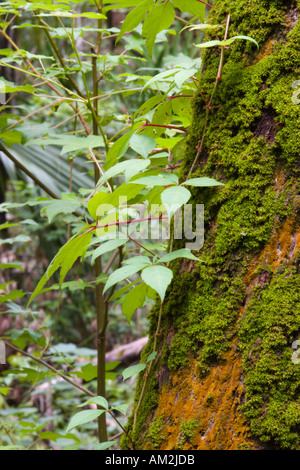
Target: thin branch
<point x="48" y="366"/>
<point x="141" y="246"/>
<point x="148" y="370"/>
<point x="147" y="124"/>
<point x="209" y="104"/>
<point x="127" y="222"/>
<point x="28" y="172"/>
<point x="100" y="171"/>
<point x="49" y="105"/>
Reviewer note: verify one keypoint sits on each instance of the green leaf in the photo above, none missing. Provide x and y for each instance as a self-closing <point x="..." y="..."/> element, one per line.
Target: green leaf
<point x="122" y="291"/>
<point x="11" y="137"/>
<point x="111" y="365"/>
<point x="119" y="148"/>
<point x="227" y="42"/>
<point x="213" y="43"/>
<point x="20" y="337"/>
<point x="135" y="17"/>
<point x="121" y="274"/>
<point x="202" y="182"/>
<point x="183" y="253"/>
<point x="194" y="7"/>
<point x="15" y="265"/>
<point x="99" y="401"/>
<point x="84" y="417"/>
<point x="148" y="105"/>
<point x="54" y="436"/>
<point x="134" y="299"/>
<point x="62" y="14"/>
<point x="124" y="191"/>
<point x="64" y="259"/>
<point x="151" y="357"/>
<point x="162" y="115"/>
<point x="142" y="144"/>
<point x="133" y="370"/>
<point x="121" y="408"/>
<point x="108" y="246"/>
<point x="66" y="205"/>
<point x="175" y="197"/>
<point x="158" y="19"/>
<point x="201" y="27"/>
<point x="152" y="181"/>
<point x="159" y="278"/>
<point x="70" y="143"/>
<point x="183" y="75"/>
<point x="130" y="167"/>
<point x="88" y="372"/>
<point x="12" y="447"/>
<point x="138" y="260"/>
<point x="10" y="87"/>
<point x="161" y="76"/>
<point x="105" y="445"/>
<point x="13" y="295"/>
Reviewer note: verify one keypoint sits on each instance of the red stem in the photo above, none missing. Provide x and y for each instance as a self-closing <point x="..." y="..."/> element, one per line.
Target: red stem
<point x="126" y="222"/>
<point x="161" y="125"/>
<point x="205" y="3"/>
<point x="180" y="96"/>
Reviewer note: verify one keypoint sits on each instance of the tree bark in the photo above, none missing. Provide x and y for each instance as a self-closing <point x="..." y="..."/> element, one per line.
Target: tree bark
<point x="225" y="376"/>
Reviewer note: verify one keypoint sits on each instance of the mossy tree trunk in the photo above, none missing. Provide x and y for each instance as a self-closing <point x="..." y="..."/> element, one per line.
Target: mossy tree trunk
<point x="224" y="377"/>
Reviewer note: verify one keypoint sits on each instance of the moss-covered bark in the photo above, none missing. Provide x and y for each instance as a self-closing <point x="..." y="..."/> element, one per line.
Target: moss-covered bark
<point x="224" y="377"/>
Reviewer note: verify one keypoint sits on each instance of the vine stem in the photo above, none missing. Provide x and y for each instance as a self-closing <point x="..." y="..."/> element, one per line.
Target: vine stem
<point x="147" y="373"/>
<point x="205" y="3"/>
<point x="127" y="222"/>
<point x="123" y="429"/>
<point x="48" y="366"/>
<point x="141" y="246"/>
<point x="67" y="379"/>
<point x="9" y="434"/>
<point x="209" y="104"/>
<point x="100" y="305"/>
<point x="164" y="126"/>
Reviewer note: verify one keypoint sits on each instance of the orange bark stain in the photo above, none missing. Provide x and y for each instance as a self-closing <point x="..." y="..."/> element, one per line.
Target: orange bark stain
<point x="213" y="401"/>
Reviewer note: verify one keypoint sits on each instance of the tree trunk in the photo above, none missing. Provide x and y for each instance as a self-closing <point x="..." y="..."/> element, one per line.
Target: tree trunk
<point x="225" y="376"/>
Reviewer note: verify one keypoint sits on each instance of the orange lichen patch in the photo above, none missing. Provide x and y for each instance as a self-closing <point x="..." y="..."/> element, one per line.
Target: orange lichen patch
<point x="284" y="245"/>
<point x="213" y="401"/>
<point x="266" y="50"/>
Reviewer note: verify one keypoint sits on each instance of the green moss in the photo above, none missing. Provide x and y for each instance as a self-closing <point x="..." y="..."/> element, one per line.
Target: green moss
<point x="267" y="330"/>
<point x="209" y="399"/>
<point x="187" y="432"/>
<point x="155" y="435"/>
<point x="252" y="138"/>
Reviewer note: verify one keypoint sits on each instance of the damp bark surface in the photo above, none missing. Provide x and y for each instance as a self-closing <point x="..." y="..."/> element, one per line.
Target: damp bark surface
<point x="224" y="377"/>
